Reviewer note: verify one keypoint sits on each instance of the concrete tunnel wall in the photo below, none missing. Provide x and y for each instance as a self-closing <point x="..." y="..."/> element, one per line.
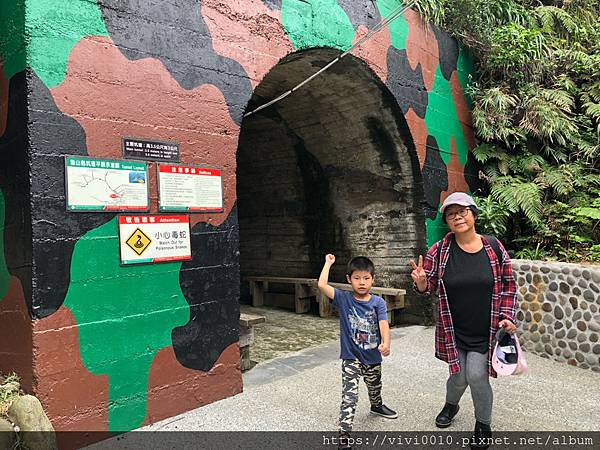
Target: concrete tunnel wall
<point x="111" y="348"/>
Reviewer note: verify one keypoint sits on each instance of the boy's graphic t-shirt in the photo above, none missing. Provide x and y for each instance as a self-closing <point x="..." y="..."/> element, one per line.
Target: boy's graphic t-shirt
<point x="359" y="326"/>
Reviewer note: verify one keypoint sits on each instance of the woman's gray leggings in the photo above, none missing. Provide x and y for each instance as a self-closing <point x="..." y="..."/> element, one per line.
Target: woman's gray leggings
<point x="473" y="373"/>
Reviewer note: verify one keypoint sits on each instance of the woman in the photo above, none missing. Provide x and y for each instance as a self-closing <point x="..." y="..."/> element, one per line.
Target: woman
<point x="473" y="278"/>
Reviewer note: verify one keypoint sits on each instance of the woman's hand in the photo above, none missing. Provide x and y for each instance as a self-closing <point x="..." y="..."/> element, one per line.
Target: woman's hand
<point x="418" y="274"/>
<point x="508" y="325"/>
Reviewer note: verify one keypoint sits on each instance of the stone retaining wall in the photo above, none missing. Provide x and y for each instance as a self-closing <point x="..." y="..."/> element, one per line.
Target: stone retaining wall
<point x="559" y="314"/>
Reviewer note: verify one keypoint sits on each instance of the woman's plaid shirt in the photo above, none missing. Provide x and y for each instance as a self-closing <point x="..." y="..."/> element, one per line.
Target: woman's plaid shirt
<point x="504" y="299"/>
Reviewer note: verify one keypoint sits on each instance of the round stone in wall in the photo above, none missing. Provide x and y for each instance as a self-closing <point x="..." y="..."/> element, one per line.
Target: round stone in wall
<point x="581" y="326"/>
<point x="576" y="291"/>
<point x="560" y="334"/>
<point x="535" y="337"/>
<point x="576" y="272"/>
<point x="552" y="276"/>
<point x="587" y="316"/>
<point x="596" y="349"/>
<point x="588" y="295"/>
<point x="548" y="349"/>
<point x="558" y="312"/>
<point x="545" y="279"/>
<point x="579" y="357"/>
<point x="564" y="288"/>
<point x="528" y="316"/>
<point x="572" y="333"/>
<point x="532" y="288"/>
<point x="566" y="270"/>
<point x="525" y="267"/>
<point x="584" y="366"/>
<point x="528" y="278"/>
<point x="562" y="344"/>
<point x="593" y="337"/>
<point x="520" y="315"/>
<point x="548" y="319"/>
<point x="550" y="297"/>
<point x="584" y="347"/>
<point x="533" y="306"/>
<point x="542" y="329"/>
<point x="576" y="316"/>
<point x="521" y="281"/>
<point x="539" y="347"/>
<point x="583" y="305"/>
<point x="533" y="327"/>
<point x="582" y="283"/>
<point x="568" y="323"/>
<point x="557" y="351"/>
<point x="596" y="276"/>
<point x="586" y="274"/>
<point x="573" y="302"/>
<point x="535" y="268"/>
<point x="567" y="353"/>
<point x="558" y="325"/>
<point x="594" y="288"/>
<point x="553" y="286"/>
<point x="581" y="337"/>
<point x="593" y="308"/>
<point x="546" y="338"/>
<point x="571" y="280"/>
<point x="594" y="326"/>
<point x="547" y="307"/>
<point x="537" y="316"/>
<point x="592" y="360"/>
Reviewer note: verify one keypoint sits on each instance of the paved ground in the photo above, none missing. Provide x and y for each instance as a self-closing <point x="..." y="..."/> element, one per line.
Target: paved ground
<point x="302" y="392"/>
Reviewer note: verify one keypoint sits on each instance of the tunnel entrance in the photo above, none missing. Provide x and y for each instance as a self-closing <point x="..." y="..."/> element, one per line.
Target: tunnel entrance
<point x="332" y="168"/>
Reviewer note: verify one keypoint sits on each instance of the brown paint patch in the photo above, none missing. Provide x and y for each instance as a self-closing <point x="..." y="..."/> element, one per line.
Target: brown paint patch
<point x="4" y="86"/>
<point x="418" y="130"/>
<point x="456" y="174"/>
<point x="421" y="47"/>
<point x="16" y="335"/>
<point x="248" y="32"/>
<point x="374" y="51"/>
<point x="173" y="389"/>
<point x="112" y="97"/>
<point x="74" y="398"/>
<point x="462" y="110"/>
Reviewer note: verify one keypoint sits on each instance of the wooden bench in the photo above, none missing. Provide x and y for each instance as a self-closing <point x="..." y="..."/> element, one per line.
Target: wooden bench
<point x="305" y="290"/>
<point x="247" y="322"/>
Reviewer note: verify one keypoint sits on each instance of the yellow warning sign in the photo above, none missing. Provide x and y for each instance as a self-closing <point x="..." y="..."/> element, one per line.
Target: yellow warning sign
<point x="138" y="241"/>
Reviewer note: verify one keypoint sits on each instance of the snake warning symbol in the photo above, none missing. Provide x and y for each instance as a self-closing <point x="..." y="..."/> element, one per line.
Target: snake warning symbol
<point x="138" y="241"/>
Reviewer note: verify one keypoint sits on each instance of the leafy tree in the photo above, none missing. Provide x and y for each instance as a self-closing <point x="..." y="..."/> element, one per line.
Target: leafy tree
<point x="536" y="112"/>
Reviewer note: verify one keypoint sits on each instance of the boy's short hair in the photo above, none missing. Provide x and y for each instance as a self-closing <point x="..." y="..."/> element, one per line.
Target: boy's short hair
<point x="361" y="263"/>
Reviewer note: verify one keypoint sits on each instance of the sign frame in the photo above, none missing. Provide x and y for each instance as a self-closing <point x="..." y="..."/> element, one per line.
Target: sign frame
<point x="91" y="209"/>
<point x="188" y="209"/>
<point x="143" y="157"/>
<point x="133" y="263"/>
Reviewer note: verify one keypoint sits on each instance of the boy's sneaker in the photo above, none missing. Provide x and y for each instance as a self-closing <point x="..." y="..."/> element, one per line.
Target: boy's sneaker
<point x="384" y="411"/>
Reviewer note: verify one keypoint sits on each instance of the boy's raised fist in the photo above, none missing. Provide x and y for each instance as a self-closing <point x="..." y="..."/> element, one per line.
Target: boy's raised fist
<point x="329" y="258"/>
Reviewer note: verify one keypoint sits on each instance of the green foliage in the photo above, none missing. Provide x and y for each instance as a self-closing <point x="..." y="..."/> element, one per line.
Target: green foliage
<point x="536" y="112"/>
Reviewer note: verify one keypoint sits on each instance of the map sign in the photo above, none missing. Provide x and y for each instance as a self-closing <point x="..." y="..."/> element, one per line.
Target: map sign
<point x="106" y="185"/>
<point x="188" y="188"/>
<point x="153" y="239"/>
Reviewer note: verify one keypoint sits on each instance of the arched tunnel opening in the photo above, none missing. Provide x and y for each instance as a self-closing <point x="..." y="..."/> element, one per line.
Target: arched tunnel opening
<point x="331" y="168"/>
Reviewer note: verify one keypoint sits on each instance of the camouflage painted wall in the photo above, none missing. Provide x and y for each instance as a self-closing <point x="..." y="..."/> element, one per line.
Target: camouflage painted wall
<point x="112" y="348"/>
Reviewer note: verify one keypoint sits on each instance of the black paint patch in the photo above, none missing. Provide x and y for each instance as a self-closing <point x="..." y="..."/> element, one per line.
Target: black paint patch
<point x="14" y="183"/>
<point x="406" y="85"/>
<point x="52" y="135"/>
<point x="210" y="283"/>
<point x="435" y="177"/>
<point x="471" y="173"/>
<point x="174" y="32"/>
<point x="361" y="12"/>
<point x="448" y="52"/>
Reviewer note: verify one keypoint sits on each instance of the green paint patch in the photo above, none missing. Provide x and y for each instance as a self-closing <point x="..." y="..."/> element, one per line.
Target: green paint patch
<point x="442" y="121"/>
<point x="317" y="23"/>
<point x="436" y="229"/>
<point x="398" y="27"/>
<point x="4" y="274"/>
<point x="12" y="36"/>
<point x="124" y="316"/>
<point x="41" y="33"/>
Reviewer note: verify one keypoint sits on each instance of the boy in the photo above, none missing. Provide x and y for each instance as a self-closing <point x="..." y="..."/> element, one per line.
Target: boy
<point x="364" y="337"/>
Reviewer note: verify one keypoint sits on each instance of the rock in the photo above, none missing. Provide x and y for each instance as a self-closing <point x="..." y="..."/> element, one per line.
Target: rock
<point x="27" y="413"/>
<point x="7" y="434"/>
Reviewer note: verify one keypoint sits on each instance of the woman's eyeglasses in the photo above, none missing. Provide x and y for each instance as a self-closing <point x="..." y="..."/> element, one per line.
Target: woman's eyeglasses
<point x="459" y="213"/>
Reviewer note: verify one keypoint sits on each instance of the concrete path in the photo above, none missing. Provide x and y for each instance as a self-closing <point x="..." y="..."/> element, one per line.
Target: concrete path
<point x="302" y="391"/>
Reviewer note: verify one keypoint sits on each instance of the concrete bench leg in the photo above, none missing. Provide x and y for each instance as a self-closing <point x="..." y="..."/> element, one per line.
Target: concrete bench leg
<point x="302" y="298"/>
<point x="257" y="289"/>
<point x="325" y="308"/>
